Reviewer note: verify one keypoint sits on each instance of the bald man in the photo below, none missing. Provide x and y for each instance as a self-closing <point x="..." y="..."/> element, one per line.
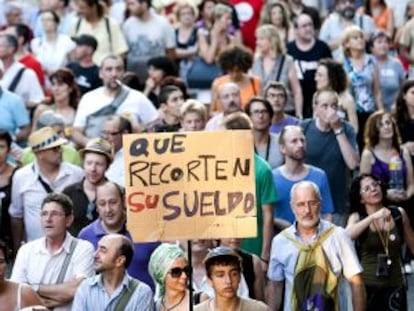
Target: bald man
<point x="228" y="96"/>
<point x="105" y="290"/>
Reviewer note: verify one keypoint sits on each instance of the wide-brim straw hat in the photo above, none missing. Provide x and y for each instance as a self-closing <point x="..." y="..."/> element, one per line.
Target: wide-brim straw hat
<point x="45" y="138"/>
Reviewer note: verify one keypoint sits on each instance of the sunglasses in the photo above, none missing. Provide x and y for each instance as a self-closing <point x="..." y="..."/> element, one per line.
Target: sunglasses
<point x="177" y="272"/>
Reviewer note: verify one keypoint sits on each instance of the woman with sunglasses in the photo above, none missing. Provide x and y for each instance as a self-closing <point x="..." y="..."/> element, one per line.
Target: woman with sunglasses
<point x="379" y="232"/>
<point x="168" y="266"/>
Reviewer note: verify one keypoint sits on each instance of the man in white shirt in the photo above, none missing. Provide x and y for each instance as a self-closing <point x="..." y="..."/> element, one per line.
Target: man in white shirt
<point x="32" y="183"/>
<point x="134" y="103"/>
<point x="17" y="78"/>
<point x="56" y="264"/>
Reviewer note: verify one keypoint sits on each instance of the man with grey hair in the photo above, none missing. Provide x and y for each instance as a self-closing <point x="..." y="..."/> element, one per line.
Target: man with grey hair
<point x="228" y="96"/>
<point x="310" y="233"/>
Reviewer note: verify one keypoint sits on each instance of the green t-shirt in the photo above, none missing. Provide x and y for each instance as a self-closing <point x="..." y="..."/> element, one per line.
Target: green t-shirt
<point x="265" y="194"/>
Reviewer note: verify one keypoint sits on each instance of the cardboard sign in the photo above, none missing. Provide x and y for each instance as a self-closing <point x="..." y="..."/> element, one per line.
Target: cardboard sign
<point x="190" y="185"/>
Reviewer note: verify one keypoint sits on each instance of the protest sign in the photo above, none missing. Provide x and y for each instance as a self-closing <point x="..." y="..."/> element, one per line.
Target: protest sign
<point x="190" y="185"/>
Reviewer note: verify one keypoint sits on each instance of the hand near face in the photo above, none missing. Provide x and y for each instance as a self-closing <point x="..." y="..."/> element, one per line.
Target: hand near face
<point x="334" y="121"/>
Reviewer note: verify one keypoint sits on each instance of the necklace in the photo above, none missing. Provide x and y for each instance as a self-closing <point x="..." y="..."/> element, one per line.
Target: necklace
<point x="173" y="306"/>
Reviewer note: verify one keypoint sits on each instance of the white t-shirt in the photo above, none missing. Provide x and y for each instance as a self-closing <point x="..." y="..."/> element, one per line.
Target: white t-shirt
<point x="53" y="55"/>
<point x="136" y="104"/>
<point x="28" y="87"/>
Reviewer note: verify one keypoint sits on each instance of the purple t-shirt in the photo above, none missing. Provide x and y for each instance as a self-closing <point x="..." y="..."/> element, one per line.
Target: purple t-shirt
<point x="142" y="251"/>
<point x="276" y="128"/>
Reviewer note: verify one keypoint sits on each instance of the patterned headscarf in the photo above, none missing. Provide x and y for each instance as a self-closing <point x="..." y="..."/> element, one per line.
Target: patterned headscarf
<point x="160" y="263"/>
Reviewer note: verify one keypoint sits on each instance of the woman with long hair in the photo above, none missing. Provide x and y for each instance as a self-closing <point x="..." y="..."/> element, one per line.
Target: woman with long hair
<point x="381" y="14"/>
<point x="273" y="64"/>
<point x="65" y="98"/>
<point x="382" y="142"/>
<point x="331" y="75"/>
<point x="379" y="232"/>
<point x="363" y="75"/>
<point x="277" y="14"/>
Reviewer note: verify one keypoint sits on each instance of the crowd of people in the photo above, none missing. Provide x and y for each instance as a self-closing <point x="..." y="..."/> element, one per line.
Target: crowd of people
<point x="325" y="87"/>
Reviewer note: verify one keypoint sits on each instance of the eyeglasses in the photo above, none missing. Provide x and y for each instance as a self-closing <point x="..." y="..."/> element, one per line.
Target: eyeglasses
<point x="177" y="272"/>
<point x="369" y="188"/>
<point x="311" y="204"/>
<point x="277" y="95"/>
<point x="259" y="112"/>
<point x="52" y="214"/>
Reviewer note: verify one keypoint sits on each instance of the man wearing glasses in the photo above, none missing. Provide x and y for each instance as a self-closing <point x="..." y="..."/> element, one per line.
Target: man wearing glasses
<point x="112" y="288"/>
<point x="56" y="264"/>
<point x="308" y="231"/>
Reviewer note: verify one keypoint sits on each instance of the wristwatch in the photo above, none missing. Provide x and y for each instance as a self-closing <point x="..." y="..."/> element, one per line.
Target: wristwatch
<point x="35" y="287"/>
<point x="339" y="131"/>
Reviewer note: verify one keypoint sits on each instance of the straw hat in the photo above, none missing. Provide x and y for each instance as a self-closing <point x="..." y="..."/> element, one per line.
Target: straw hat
<point x="100" y="146"/>
<point x="45" y="138"/>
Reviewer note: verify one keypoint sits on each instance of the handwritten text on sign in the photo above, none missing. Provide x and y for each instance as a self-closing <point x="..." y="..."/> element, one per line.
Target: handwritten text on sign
<point x="190" y="185"/>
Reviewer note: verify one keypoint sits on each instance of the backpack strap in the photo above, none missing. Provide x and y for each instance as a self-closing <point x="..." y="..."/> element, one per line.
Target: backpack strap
<point x="13" y="85"/>
<point x="108" y="31"/>
<point x="78" y="25"/>
<point x="279" y="70"/>
<point x="65" y="264"/>
<point x="126" y="294"/>
<point x="304" y="247"/>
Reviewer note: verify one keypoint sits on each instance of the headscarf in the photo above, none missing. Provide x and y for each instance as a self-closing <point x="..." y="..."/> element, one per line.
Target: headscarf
<point x="160" y="263"/>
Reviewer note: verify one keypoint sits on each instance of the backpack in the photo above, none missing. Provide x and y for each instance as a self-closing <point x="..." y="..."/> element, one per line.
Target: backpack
<point x="315" y="285"/>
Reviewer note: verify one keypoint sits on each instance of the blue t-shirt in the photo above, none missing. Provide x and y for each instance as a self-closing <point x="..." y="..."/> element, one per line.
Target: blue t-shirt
<point x="276" y="128"/>
<point x="282" y="207"/>
<point x="142" y="251"/>
<point x="13" y="112"/>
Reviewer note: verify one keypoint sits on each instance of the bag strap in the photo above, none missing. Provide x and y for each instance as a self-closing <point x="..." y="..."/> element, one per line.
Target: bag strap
<point x="116" y="102"/>
<point x="44" y="184"/>
<point x="253" y="86"/>
<point x="279" y="70"/>
<point x="78" y="25"/>
<point x="66" y="261"/>
<point x="108" y="31"/>
<point x="16" y="79"/>
<point x="126" y="294"/>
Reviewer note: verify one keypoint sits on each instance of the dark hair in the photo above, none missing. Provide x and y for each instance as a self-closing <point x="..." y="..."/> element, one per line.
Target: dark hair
<point x="337" y="77"/>
<point x="165" y="64"/>
<point x="371" y="130"/>
<point x="237" y="121"/>
<point x="275" y="85"/>
<point x="401" y="114"/>
<point x="59" y="198"/>
<point x="262" y="100"/>
<point x="356" y="205"/>
<point x="24" y="31"/>
<point x="165" y="93"/>
<point x="100" y="8"/>
<point x="12" y="41"/>
<point x="235" y="57"/>
<point x="56" y="17"/>
<point x="65" y="76"/>
<point x="4" y="135"/>
<point x="178" y="82"/>
<point x="368" y="9"/>
<point x="224" y="260"/>
<point x="132" y="80"/>
<point x="201" y="7"/>
<point x="5" y="250"/>
<point x="124" y="123"/>
<point x="265" y="15"/>
<point x="126" y="249"/>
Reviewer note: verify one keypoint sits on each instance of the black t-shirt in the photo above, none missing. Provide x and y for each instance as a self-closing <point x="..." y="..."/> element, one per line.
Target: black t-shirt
<point x="306" y="63"/>
<point x="87" y="78"/>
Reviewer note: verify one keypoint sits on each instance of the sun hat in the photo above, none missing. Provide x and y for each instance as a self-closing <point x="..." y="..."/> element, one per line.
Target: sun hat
<point x="100" y="146"/>
<point x="45" y="138"/>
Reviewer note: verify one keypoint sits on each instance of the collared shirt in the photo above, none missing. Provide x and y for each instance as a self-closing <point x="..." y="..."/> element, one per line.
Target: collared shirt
<point x="13" y="112"/>
<point x="116" y="171"/>
<point x="28" y="194"/>
<point x="92" y="295"/>
<point x="338" y="248"/>
<point x="36" y="265"/>
<point x="142" y="251"/>
<point x="80" y="207"/>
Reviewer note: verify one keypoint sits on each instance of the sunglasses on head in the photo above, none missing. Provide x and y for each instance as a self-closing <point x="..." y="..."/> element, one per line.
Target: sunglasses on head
<point x="177" y="272"/>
